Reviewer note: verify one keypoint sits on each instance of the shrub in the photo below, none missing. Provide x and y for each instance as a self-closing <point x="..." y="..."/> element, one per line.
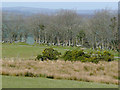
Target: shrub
<point x="75" y="55"/>
<point x="88" y="57"/>
<point x="49" y="53"/>
<point x="39" y="57"/>
<point x="105" y="56"/>
<point x="67" y="55"/>
<point x="93" y="60"/>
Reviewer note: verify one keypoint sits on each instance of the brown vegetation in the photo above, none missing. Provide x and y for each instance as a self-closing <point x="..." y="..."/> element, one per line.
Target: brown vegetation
<point x="104" y="72"/>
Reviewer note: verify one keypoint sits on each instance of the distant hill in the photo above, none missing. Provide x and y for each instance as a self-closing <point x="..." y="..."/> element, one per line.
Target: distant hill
<point x="30" y="10"/>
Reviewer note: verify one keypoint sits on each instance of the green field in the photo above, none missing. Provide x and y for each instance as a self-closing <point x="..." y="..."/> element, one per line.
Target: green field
<point x="29" y="82"/>
<point x="28" y="51"/>
<point x="31" y="51"/>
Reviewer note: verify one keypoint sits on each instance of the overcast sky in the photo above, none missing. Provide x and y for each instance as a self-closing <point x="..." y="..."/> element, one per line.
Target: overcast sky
<point x="60" y="0"/>
<point x="64" y="5"/>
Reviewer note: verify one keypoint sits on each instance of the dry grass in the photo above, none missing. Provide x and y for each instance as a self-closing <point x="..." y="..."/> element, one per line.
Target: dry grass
<point x="102" y="72"/>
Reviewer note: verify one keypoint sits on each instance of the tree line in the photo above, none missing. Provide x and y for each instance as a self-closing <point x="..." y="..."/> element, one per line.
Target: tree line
<point x="66" y="28"/>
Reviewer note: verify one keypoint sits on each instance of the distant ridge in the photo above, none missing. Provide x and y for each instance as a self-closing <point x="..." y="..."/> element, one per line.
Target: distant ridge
<point x="39" y="10"/>
<point x="31" y="10"/>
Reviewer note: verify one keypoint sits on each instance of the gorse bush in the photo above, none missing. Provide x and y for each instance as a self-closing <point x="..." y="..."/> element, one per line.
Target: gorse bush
<point x="41" y="57"/>
<point x="49" y="53"/>
<point x="67" y="55"/>
<point x="76" y="55"/>
<point x="107" y="56"/>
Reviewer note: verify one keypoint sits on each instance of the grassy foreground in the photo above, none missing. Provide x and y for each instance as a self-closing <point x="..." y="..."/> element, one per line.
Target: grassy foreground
<point x="29" y="82"/>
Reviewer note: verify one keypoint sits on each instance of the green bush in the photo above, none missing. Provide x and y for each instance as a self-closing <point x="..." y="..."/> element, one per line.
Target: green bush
<point x="104" y="56"/>
<point x="93" y="60"/>
<point x="49" y="53"/>
<point x="75" y="55"/>
<point x="39" y="57"/>
<point x="107" y="56"/>
<point x="67" y="55"/>
<point x="88" y="57"/>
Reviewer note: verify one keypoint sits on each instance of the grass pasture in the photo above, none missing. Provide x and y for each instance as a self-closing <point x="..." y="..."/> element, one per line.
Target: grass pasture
<point x="30" y="82"/>
<point x="28" y="51"/>
<point x="31" y="51"/>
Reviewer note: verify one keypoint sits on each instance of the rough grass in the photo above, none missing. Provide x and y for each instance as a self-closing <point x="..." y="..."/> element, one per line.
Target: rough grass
<point x="103" y="72"/>
<point x="28" y="82"/>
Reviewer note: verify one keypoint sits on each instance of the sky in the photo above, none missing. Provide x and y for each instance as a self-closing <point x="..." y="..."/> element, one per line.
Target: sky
<point x="64" y="5"/>
<point x="60" y="0"/>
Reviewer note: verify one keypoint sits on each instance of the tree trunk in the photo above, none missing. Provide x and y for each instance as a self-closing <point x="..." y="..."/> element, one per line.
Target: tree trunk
<point x="82" y="42"/>
<point x="69" y="42"/>
<point x="76" y="41"/>
<point x="58" y="41"/>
